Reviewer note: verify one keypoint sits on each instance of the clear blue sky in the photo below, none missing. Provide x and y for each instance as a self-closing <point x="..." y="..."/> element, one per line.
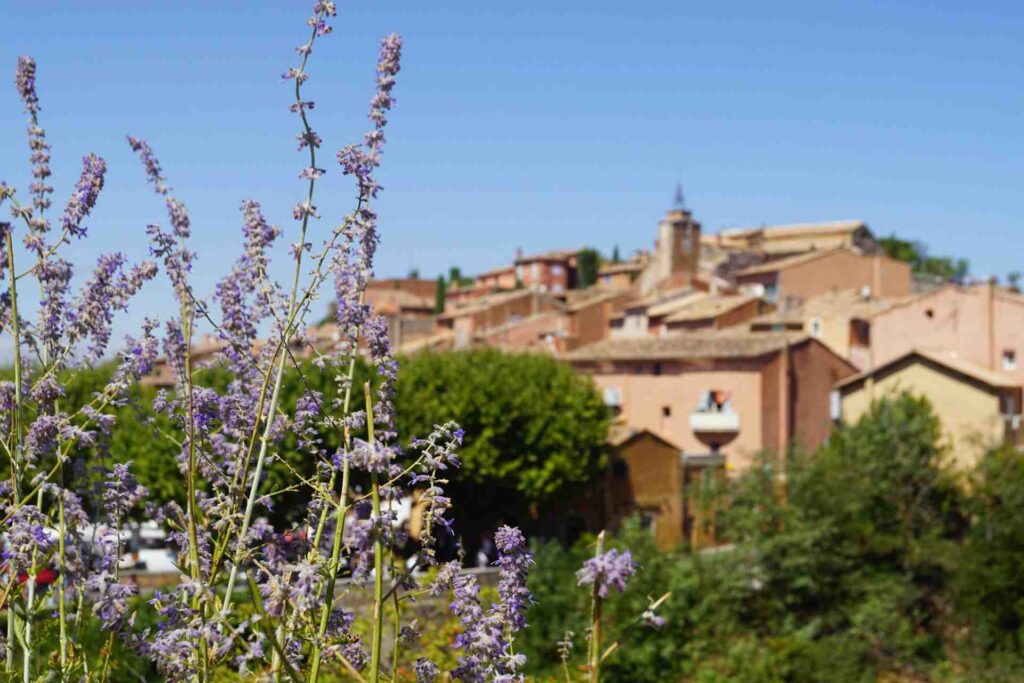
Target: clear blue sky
<point x="544" y="124"/>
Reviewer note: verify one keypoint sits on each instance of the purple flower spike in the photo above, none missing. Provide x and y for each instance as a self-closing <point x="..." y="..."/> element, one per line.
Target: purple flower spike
<point x="612" y="569"/>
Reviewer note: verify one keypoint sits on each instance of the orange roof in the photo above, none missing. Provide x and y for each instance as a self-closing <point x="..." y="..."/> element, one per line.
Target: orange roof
<point x="946" y="359"/>
<point x="692" y="346"/>
<point x="709" y="307"/>
<point x="500" y="270"/>
<point x="796" y="229"/>
<point x="553" y="255"/>
<point x="788" y="262"/>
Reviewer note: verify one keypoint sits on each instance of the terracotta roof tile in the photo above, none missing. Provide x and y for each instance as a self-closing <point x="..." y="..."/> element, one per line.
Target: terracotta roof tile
<point x="696" y="345"/>
<point x="709" y="307"/>
<point x="944" y="358"/>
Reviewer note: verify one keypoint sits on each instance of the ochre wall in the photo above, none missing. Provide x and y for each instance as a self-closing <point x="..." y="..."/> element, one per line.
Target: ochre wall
<point x="968" y="411"/>
<point x="653" y="485"/>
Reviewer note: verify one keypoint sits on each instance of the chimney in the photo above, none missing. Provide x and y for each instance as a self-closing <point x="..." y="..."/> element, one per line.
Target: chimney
<point x="519" y="254"/>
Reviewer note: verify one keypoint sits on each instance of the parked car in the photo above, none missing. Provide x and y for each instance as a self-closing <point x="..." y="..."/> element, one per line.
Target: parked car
<point x="148" y="550"/>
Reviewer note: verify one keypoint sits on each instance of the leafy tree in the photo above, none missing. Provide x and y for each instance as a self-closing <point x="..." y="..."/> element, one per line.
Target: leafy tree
<point x="916" y="254"/>
<point x="615" y="255"/>
<point x="989" y="590"/>
<point x="534" y="428"/>
<point x="838" y="571"/>
<point x="439" y="290"/>
<point x="587" y="263"/>
<point x="455" y="276"/>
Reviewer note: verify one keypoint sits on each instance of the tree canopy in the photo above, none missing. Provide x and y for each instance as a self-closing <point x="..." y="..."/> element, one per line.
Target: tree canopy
<point x="534" y="429"/>
<point x="916" y="254"/>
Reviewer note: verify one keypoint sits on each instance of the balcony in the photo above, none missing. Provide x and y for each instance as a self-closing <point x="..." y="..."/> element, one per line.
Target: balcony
<point x="715" y="428"/>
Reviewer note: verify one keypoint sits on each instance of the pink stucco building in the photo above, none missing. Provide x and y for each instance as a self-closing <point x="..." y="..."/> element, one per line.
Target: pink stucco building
<point x="982" y="324"/>
<point x="731" y="392"/>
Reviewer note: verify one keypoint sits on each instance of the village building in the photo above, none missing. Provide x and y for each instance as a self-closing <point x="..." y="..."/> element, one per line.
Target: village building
<point x="641" y="317"/>
<point x="502" y="277"/>
<point x="404" y="297"/>
<point x="714" y="312"/>
<point x="676" y="252"/>
<point x="552" y="271"/>
<point x="623" y="274"/>
<point x="977" y="407"/>
<point x="652" y="479"/>
<point x="840" y="319"/>
<point x="732" y="392"/>
<point x="777" y="241"/>
<point x="982" y="324"/>
<point x="793" y="280"/>
<point x="491" y="311"/>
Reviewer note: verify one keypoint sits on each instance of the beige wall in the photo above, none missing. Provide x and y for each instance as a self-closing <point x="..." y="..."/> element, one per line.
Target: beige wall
<point x="969" y="412"/>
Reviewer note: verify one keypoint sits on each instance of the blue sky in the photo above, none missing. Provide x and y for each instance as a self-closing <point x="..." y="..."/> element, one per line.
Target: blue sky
<point x="542" y="124"/>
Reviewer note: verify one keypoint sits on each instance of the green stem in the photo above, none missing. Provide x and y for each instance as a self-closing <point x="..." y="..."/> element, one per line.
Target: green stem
<point x="29" y="606"/>
<point x="293" y="300"/>
<point x="61" y="606"/>
<point x="377" y="620"/>
<point x="12" y="620"/>
<point x="595" y="621"/>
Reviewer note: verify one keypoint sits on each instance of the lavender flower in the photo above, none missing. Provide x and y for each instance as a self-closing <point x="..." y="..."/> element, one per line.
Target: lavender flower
<point x="426" y="670"/>
<point x="514" y="563"/>
<point x="27" y="538"/>
<point x="485" y="637"/>
<point x="121" y="491"/>
<point x="611" y="569"/>
<point x="87" y="190"/>
<point x="25" y="81"/>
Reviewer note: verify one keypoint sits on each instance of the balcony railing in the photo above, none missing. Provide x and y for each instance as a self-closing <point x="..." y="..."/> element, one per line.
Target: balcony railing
<point x="711" y="423"/>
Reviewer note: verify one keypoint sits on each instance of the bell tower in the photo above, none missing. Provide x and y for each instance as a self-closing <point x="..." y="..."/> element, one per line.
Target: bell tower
<point x="679" y="239"/>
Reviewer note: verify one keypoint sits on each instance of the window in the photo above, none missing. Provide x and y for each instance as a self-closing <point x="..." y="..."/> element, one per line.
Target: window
<point x="1009" y="359"/>
<point x="666" y="411"/>
<point x="715" y="401"/>
<point x="1009" y="405"/>
<point x="535" y="272"/>
<point x="834" y="405"/>
<point x="611" y="397"/>
<point x="687" y="241"/>
<point x="771" y="292"/>
<point x="557" y="270"/>
<point x="656" y="369"/>
<point x="814" y="327"/>
<point x="929" y="313"/>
